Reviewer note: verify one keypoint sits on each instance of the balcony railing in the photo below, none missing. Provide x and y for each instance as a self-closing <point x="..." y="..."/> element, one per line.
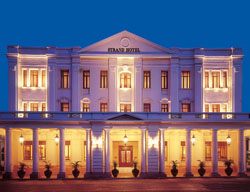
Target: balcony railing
<point x="111" y="116"/>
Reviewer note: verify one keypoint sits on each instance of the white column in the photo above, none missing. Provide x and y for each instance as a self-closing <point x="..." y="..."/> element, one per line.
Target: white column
<point x="241" y="153"/>
<point x="214" y="154"/>
<point x="162" y="148"/>
<point x="61" y="174"/>
<point x="188" y="154"/>
<point x="8" y="148"/>
<point x="35" y="157"/>
<point x="107" y="152"/>
<point x="143" y="151"/>
<point x="88" y="150"/>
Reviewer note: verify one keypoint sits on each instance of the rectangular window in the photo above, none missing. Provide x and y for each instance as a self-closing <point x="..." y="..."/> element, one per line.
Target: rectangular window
<point x="65" y="107"/>
<point x="206" y="108"/>
<point x="215" y="79"/>
<point x="147" y="107"/>
<point x="67" y="150"/>
<point x="185" y="79"/>
<point x="43" y="106"/>
<point x="25" y="78"/>
<point x="33" y="106"/>
<point x="86" y="76"/>
<point x="43" y="78"/>
<point x="186" y="107"/>
<point x="85" y="107"/>
<point x="164" y="79"/>
<point x="166" y="151"/>
<point x="208" y="151"/>
<point x="216" y="108"/>
<point x="64" y="79"/>
<point x="104" y="79"/>
<point x="147" y="79"/>
<point x="125" y="80"/>
<point x="42" y="150"/>
<point x="222" y="151"/>
<point x="27" y="150"/>
<point x="33" y="78"/>
<point x="125" y="108"/>
<point x="224" y="79"/>
<point x="164" y="107"/>
<point x="104" y="107"/>
<point x="206" y="79"/>
<point x="25" y="107"/>
<point x="183" y="151"/>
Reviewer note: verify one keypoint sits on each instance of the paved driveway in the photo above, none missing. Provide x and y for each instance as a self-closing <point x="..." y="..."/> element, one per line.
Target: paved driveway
<point x="175" y="184"/>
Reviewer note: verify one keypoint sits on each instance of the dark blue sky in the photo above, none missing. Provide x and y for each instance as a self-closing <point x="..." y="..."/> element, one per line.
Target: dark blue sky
<point x="187" y="24"/>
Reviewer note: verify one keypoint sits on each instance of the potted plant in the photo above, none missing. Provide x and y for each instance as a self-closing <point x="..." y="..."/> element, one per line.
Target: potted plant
<point x="21" y="171"/>
<point x="174" y="169"/>
<point x="75" y="171"/>
<point x="228" y="170"/>
<point x="115" y="171"/>
<point x="1" y="169"/>
<point x="135" y="171"/>
<point x="201" y="170"/>
<point x="47" y="172"/>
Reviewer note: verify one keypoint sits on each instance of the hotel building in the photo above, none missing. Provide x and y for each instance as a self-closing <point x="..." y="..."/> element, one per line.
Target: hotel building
<point x="82" y="104"/>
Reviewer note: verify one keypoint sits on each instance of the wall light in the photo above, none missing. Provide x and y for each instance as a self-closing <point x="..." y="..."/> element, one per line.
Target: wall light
<point x="193" y="140"/>
<point x="229" y="140"/>
<point x="96" y="142"/>
<point x="21" y="139"/>
<point x="125" y="138"/>
<point x="57" y="139"/>
<point x="153" y="142"/>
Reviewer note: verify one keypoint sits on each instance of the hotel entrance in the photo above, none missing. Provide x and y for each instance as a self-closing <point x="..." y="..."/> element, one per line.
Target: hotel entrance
<point x="125" y="156"/>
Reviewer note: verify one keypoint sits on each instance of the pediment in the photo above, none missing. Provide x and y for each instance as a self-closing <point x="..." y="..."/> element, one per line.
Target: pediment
<point x="125" y="43"/>
<point x="125" y="117"/>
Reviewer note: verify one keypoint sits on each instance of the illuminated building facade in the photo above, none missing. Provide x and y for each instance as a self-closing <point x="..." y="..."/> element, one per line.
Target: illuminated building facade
<point x="78" y="104"/>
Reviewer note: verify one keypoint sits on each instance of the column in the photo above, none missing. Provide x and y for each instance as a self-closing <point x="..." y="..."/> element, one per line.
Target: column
<point x="61" y="174"/>
<point x="8" y="146"/>
<point x="162" y="152"/>
<point x="75" y="73"/>
<point x="188" y="154"/>
<point x="143" y="152"/>
<point x="198" y="83"/>
<point x="88" y="152"/>
<point x="174" y="83"/>
<point x="241" y="152"/>
<point x="214" y="154"/>
<point x="138" y="84"/>
<point x="35" y="157"/>
<point x="107" y="153"/>
<point x="112" y="82"/>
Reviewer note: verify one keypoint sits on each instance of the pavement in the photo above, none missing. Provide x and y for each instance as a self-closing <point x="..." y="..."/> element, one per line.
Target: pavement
<point x="135" y="185"/>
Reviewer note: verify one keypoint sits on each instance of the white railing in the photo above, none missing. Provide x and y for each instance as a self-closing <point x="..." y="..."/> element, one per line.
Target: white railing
<point x="107" y="116"/>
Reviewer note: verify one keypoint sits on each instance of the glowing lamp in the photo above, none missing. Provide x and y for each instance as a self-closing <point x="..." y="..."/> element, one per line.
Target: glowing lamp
<point x="21" y="139"/>
<point x="229" y="140"/>
<point x="125" y="139"/>
<point x="193" y="140"/>
<point x="57" y="139"/>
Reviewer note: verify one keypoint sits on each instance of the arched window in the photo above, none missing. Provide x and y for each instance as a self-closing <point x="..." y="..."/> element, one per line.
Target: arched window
<point x="125" y="80"/>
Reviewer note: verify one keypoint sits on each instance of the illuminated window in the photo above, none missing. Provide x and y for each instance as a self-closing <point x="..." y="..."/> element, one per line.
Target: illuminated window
<point x="208" y="151"/>
<point x="43" y="106"/>
<point x="222" y="151"/>
<point x="33" y="106"/>
<point x="65" y="107"/>
<point x="27" y="150"/>
<point x="25" y="107"/>
<point x="125" y="107"/>
<point x="85" y="107"/>
<point x="206" y="79"/>
<point x="147" y="79"/>
<point x="224" y="79"/>
<point x="104" y="107"/>
<point x="67" y="150"/>
<point x="125" y="80"/>
<point x="104" y="79"/>
<point x="33" y="78"/>
<point x="25" y="78"/>
<point x="164" y="107"/>
<point x="185" y="79"/>
<point x="215" y="79"/>
<point x="86" y="77"/>
<point x="43" y="78"/>
<point x="64" y="79"/>
<point x="185" y="107"/>
<point x="206" y="108"/>
<point x="42" y="150"/>
<point x="166" y="151"/>
<point x="164" y="79"/>
<point x="147" y="107"/>
<point x="183" y="151"/>
<point x="216" y="108"/>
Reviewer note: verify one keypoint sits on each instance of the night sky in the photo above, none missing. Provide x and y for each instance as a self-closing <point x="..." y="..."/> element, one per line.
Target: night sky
<point x="186" y="24"/>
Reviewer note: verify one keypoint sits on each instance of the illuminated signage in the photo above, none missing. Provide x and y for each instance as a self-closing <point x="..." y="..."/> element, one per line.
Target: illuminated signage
<point x="124" y="50"/>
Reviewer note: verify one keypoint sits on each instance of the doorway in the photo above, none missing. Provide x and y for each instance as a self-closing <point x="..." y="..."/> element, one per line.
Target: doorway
<point x="125" y="156"/>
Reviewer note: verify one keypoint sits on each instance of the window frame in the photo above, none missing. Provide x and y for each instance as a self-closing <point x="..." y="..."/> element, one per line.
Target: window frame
<point x="186" y="79"/>
<point x="164" y="107"/>
<point x="147" y="107"/>
<point x="85" y="107"/>
<point x="164" y="79"/>
<point x="126" y="107"/>
<point x="64" y="78"/>
<point x="103" y="107"/>
<point x="103" y="79"/>
<point x="63" y="107"/>
<point x="216" y="79"/>
<point x="67" y="150"/>
<point x="146" y="79"/>
<point x="125" y="80"/>
<point x="86" y="79"/>
<point x="188" y="108"/>
<point x="34" y="78"/>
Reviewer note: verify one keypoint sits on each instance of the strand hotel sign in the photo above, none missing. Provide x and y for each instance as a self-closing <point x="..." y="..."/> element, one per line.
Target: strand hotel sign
<point x="124" y="50"/>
